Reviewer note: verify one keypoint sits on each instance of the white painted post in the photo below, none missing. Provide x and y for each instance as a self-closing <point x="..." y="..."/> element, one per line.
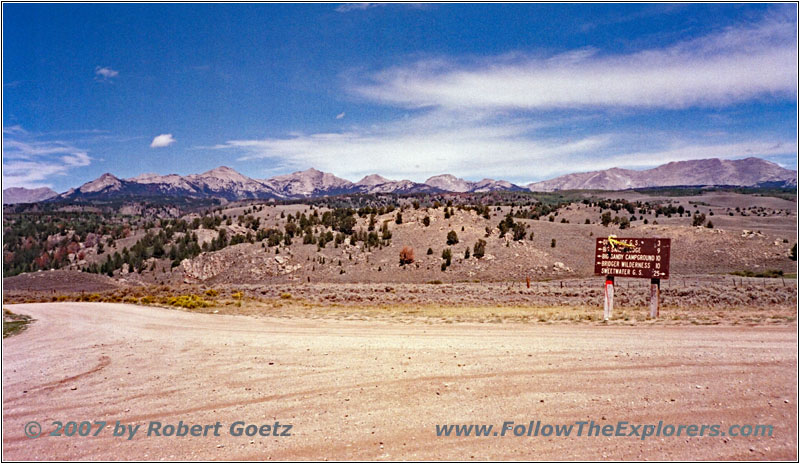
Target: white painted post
<point x="655" y="287"/>
<point x="608" y="302"/>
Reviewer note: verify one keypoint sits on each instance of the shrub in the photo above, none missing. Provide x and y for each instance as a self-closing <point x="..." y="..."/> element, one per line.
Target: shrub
<point x="452" y="237"/>
<point x="519" y="231"/>
<point x="426" y="221"/>
<point x="211" y="292"/>
<point x="187" y="301"/>
<point x="553" y="243"/>
<point x="386" y="234"/>
<point x="479" y="249"/>
<point x="430" y="251"/>
<point x="447" y="256"/>
<point x="406" y="256"/>
<point x="286" y="296"/>
<point x="769" y="273"/>
<point x="466" y="253"/>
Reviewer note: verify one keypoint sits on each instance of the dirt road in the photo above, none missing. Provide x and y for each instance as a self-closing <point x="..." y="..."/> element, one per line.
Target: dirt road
<point x="376" y="390"/>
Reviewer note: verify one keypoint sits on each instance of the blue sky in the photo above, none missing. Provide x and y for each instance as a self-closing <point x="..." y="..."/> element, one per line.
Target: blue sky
<point x="521" y="92"/>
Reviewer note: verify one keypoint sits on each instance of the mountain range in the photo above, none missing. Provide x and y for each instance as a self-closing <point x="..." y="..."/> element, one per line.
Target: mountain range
<point x="746" y="172"/>
<point x="226" y="183"/>
<point x="23" y="195"/>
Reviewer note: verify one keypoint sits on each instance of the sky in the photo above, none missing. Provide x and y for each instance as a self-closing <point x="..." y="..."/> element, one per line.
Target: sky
<point x="520" y="92"/>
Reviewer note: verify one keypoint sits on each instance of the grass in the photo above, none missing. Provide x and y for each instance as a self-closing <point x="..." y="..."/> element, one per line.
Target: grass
<point x="716" y="304"/>
<point x="769" y="273"/>
<point x="187" y="301"/>
<point x="764" y="191"/>
<point x="14" y="323"/>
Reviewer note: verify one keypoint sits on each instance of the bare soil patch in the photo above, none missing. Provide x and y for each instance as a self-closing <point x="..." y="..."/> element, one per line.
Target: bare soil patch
<point x="376" y="389"/>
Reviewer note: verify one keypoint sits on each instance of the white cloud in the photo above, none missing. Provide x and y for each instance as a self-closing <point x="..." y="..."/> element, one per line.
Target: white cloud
<point x="417" y="149"/>
<point x="340" y="115"/>
<point x="28" y="162"/>
<point x="163" y="140"/>
<point x="734" y="65"/>
<point x="105" y="73"/>
<point x="488" y="146"/>
<point x="14" y="130"/>
<point x="345" y="7"/>
<point x="529" y="118"/>
<point x="361" y="6"/>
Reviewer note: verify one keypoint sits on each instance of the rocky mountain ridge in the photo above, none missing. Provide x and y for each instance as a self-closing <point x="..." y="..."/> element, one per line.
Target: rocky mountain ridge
<point x="226" y="183"/>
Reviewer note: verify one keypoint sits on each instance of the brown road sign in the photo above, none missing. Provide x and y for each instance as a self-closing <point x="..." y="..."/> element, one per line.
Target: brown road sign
<point x="646" y="258"/>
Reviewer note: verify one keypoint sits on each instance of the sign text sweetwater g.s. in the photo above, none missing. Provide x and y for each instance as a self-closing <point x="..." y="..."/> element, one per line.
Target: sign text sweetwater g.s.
<point x="646" y="258"/>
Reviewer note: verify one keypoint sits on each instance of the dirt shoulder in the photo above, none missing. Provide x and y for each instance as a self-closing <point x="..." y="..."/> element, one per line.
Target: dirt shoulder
<point x="691" y="300"/>
<point x="376" y="389"/>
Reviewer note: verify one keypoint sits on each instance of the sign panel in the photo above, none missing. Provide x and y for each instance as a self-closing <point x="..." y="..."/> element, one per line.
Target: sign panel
<point x="646" y="258"/>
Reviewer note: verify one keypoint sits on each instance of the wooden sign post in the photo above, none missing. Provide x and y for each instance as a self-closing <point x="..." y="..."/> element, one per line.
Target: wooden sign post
<point x="644" y="258"/>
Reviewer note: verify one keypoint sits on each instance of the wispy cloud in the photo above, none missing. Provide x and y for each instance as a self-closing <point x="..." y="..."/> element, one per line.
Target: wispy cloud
<point x="105" y="73"/>
<point x="30" y="162"/>
<point x="476" y="152"/>
<point x="340" y="115"/>
<point x="734" y="65"/>
<point x="526" y="118"/>
<point x="418" y="148"/>
<point x="14" y="130"/>
<point x="346" y="7"/>
<point x="163" y="140"/>
<point x="361" y="6"/>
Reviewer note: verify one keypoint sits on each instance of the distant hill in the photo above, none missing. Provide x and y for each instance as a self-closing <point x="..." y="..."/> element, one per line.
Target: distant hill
<point x="15" y="195"/>
<point x="226" y="183"/>
<point x="748" y="172"/>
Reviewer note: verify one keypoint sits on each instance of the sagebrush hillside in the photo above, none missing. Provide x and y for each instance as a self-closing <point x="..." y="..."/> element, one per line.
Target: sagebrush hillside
<point x="415" y="239"/>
